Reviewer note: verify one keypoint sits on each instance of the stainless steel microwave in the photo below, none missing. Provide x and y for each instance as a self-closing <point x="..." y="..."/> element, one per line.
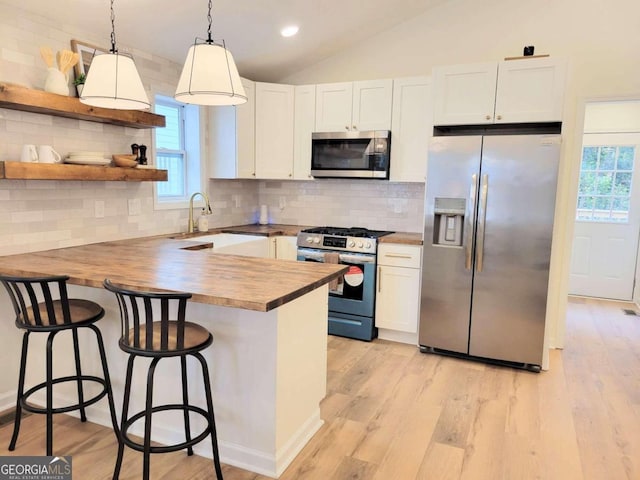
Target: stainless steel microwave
<point x="355" y="154"/>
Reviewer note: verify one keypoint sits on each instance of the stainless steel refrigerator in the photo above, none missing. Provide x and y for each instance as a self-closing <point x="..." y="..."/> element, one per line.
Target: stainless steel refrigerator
<point x="489" y="210"/>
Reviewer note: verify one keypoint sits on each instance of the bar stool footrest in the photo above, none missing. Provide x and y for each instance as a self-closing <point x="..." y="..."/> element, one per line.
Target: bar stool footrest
<point x="165" y="448"/>
<point x="71" y="378"/>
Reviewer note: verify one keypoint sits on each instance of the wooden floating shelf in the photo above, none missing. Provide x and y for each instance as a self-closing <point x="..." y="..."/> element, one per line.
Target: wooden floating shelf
<point x="65" y="171"/>
<point x="16" y="97"/>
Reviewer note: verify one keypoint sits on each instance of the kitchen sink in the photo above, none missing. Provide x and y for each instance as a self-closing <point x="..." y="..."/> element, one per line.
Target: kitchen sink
<point x="198" y="246"/>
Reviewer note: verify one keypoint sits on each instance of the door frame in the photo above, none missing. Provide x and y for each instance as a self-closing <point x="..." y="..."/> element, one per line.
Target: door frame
<point x="557" y="331"/>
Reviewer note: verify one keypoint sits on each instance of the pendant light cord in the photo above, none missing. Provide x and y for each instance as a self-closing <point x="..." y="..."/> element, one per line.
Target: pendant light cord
<point x="113" y="30"/>
<point x="209" y="39"/>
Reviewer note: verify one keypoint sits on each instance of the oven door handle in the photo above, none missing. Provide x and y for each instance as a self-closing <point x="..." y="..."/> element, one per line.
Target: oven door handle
<point x="357" y="258"/>
<point x="319" y="257"/>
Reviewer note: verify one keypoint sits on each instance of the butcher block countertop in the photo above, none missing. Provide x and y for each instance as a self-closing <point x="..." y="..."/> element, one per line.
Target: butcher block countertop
<point x="405" y="238"/>
<point x="162" y="263"/>
<point x="275" y="230"/>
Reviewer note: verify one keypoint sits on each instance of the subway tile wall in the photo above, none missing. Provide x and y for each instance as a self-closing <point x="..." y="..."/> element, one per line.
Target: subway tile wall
<point x="374" y="204"/>
<point x="38" y="214"/>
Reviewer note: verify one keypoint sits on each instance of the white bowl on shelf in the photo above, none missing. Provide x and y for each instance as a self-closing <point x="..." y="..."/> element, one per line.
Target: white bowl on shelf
<point x="86" y="154"/>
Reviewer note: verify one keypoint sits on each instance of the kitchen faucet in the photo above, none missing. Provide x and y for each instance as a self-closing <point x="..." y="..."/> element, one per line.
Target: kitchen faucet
<point x="207" y="209"/>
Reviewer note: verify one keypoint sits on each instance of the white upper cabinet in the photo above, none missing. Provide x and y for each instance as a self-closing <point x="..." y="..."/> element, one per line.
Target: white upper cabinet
<point x="304" y="123"/>
<point x="411" y="128"/>
<point x="274" y="130"/>
<point x="352" y="106"/>
<point x="246" y="132"/>
<point x="530" y="90"/>
<point x="512" y="91"/>
<point x="372" y="105"/>
<point x="232" y="138"/>
<point x="333" y="107"/>
<point x="464" y="94"/>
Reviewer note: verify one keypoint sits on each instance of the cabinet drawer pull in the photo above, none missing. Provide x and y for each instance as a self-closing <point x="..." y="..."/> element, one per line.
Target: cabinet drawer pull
<point x="379" y="279"/>
<point x="397" y="255"/>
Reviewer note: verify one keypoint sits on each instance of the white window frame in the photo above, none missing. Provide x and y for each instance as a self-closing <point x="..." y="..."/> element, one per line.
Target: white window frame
<point x="195" y="175"/>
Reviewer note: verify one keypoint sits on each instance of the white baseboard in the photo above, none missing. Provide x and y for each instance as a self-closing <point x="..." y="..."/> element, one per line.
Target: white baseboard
<point x="286" y="454"/>
<point x="396" y="336"/>
<point x="7" y="400"/>
<point x="263" y="463"/>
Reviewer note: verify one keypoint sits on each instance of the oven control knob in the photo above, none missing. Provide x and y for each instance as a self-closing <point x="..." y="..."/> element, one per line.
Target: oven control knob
<point x="309" y="239"/>
<point x="359" y="244"/>
<point x="368" y="245"/>
<point x="352" y="243"/>
<point x="316" y="240"/>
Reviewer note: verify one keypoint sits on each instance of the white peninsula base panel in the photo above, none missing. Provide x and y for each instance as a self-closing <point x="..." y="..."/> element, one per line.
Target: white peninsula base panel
<point x="268" y="375"/>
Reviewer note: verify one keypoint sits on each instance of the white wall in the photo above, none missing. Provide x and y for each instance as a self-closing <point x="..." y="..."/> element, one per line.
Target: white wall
<point x="600" y="40"/>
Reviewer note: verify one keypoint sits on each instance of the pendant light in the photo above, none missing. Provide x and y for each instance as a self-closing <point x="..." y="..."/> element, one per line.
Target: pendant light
<point x="209" y="75"/>
<point x="113" y="80"/>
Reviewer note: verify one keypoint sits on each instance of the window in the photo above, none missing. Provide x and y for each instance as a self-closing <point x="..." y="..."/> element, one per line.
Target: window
<point x="177" y="150"/>
<point x="170" y="152"/>
<point x="604" y="190"/>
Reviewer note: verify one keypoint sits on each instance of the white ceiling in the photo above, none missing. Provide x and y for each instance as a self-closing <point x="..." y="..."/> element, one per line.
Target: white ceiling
<point x="250" y="28"/>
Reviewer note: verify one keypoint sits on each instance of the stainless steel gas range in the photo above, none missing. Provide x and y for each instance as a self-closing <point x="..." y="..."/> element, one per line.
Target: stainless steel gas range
<point x="351" y="298"/>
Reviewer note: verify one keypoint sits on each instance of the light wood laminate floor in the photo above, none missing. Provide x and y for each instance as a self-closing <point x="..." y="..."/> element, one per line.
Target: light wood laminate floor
<point x="394" y="413"/>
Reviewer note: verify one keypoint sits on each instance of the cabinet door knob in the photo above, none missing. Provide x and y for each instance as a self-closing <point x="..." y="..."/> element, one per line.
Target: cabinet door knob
<point x="488" y="117"/>
<point x="346" y="127"/>
<point x="355" y="128"/>
<point x="499" y="117"/>
<point x="290" y="175"/>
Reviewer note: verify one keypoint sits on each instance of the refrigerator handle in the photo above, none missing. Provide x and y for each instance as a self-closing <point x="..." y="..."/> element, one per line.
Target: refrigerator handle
<point x="473" y="193"/>
<point x="482" y="220"/>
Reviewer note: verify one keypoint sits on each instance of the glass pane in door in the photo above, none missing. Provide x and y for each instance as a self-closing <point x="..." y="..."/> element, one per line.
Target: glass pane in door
<point x="604" y="189"/>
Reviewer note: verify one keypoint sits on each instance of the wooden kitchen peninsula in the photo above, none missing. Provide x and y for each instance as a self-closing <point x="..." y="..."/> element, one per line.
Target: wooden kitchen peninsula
<point x="269" y="323"/>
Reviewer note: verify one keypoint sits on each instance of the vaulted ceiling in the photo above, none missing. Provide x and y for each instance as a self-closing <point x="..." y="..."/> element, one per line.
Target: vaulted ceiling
<point x="250" y="28"/>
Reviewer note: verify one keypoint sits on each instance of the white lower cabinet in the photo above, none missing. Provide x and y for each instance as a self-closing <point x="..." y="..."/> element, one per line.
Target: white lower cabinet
<point x="398" y="292"/>
<point x="283" y="248"/>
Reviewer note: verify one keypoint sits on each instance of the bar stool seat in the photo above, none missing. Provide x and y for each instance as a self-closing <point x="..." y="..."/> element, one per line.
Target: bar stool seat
<point x="81" y="312"/>
<point x="149" y="330"/>
<point x="196" y="337"/>
<point x="37" y="311"/>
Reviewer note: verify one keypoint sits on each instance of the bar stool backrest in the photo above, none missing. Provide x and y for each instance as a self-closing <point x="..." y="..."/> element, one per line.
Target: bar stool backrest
<point x="27" y="293"/>
<point x="139" y="309"/>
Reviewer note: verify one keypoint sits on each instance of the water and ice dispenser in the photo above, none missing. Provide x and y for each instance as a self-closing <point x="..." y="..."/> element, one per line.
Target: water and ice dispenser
<point x="448" y="221"/>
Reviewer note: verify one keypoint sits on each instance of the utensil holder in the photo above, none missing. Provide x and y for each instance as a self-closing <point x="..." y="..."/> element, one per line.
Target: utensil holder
<point x="56" y="82"/>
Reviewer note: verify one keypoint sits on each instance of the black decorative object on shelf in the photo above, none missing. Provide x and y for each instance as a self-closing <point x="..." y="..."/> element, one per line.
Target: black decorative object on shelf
<point x="528" y="51"/>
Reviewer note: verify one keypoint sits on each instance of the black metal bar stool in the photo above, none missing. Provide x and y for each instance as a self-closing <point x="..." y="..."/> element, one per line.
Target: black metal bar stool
<point x="38" y="311"/>
<point x="142" y="336"/>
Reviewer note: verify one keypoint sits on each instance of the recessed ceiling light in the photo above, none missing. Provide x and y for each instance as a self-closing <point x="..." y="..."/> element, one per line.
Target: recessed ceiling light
<point x="289" y="31"/>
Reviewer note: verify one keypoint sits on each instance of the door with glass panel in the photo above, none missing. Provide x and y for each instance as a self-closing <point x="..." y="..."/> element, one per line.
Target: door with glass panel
<point x="605" y="244"/>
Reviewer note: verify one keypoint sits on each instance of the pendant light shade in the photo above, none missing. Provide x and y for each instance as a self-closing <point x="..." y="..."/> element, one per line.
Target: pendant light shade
<point x="210" y="77"/>
<point x="113" y="82"/>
